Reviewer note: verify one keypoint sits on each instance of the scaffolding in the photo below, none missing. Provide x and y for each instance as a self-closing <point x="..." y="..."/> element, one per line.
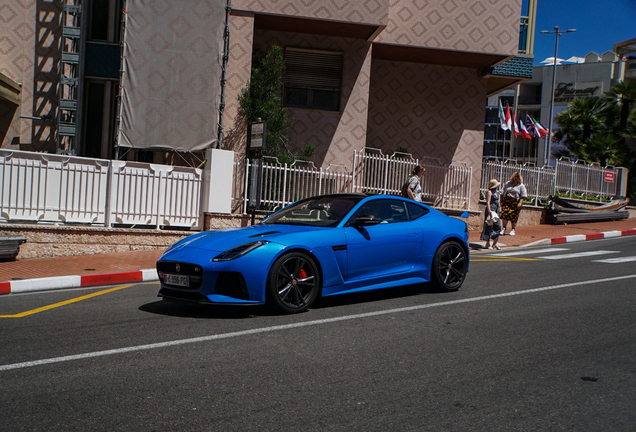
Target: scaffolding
<point x="69" y="86"/>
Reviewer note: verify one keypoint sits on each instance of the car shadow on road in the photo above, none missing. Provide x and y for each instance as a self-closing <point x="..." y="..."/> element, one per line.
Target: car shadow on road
<point x="376" y="295"/>
<point x="181" y="310"/>
<point x="203" y="311"/>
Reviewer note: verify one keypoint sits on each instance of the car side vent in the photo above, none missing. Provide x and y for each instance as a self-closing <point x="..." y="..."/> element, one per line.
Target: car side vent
<point x="264" y="234"/>
<point x="232" y="284"/>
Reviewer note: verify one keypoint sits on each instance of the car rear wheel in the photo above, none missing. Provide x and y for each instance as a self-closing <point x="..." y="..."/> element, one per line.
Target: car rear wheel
<point x="293" y="283"/>
<point x="449" y="266"/>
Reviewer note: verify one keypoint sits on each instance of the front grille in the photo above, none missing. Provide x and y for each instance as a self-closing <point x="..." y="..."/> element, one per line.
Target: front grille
<point x="232" y="284"/>
<point x="186" y="269"/>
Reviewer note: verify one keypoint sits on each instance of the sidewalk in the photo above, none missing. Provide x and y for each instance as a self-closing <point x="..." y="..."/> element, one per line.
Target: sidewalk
<point x="40" y="274"/>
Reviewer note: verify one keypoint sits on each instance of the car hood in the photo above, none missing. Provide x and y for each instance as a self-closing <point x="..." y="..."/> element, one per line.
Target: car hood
<point x="222" y="240"/>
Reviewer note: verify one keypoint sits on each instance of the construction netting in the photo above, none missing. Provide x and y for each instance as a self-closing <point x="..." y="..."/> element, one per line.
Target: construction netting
<point x="171" y="75"/>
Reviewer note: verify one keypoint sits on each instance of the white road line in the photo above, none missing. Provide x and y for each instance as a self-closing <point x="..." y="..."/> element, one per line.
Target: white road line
<point x="299" y="325"/>
<point x="578" y="255"/>
<point x="529" y="252"/>
<point x="617" y="260"/>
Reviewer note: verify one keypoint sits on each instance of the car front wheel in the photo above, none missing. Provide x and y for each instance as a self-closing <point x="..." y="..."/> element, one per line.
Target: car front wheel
<point x="293" y="283"/>
<point x="449" y="266"/>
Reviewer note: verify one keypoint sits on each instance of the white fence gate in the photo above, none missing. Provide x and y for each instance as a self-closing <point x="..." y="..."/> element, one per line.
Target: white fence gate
<point x="568" y="178"/>
<point x="444" y="186"/>
<point x="47" y="188"/>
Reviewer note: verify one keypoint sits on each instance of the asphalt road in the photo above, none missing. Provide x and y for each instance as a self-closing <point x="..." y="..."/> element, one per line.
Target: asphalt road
<point x="539" y="341"/>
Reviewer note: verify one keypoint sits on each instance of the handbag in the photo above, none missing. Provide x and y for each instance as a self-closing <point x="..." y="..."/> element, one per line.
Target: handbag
<point x="492" y="218"/>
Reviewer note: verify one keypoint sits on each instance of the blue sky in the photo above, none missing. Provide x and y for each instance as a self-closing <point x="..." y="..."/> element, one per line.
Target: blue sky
<point x="599" y="25"/>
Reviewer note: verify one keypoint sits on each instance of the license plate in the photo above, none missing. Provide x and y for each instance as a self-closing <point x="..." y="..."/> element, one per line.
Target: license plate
<point x="178" y="280"/>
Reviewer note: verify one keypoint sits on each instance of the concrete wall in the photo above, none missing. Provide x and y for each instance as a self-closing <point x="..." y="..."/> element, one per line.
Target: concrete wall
<point x="52" y="241"/>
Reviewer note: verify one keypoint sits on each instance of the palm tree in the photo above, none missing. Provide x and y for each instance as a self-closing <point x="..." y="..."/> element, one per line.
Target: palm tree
<point x="623" y="94"/>
<point x="583" y="118"/>
<point x="606" y="149"/>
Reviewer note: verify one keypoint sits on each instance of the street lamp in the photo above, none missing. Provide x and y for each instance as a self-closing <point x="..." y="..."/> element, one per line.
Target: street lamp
<point x="548" y="140"/>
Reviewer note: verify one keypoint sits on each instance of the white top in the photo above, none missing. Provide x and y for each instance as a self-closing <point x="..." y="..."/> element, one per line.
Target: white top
<point x="515" y="190"/>
<point x="416" y="187"/>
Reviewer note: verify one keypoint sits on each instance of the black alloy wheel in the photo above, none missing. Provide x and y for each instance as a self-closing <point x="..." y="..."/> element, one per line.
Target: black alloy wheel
<point x="293" y="282"/>
<point x="449" y="266"/>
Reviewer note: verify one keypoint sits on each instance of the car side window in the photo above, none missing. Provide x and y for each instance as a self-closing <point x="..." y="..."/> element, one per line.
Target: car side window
<point x="387" y="211"/>
<point x="415" y="211"/>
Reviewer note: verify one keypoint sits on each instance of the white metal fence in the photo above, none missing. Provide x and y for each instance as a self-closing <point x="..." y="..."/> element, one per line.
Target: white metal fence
<point x="444" y="186"/>
<point x="46" y="188"/>
<point x="573" y="179"/>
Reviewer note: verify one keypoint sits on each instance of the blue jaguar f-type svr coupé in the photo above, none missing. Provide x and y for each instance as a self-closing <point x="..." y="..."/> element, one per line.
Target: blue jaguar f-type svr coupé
<point x="319" y="246"/>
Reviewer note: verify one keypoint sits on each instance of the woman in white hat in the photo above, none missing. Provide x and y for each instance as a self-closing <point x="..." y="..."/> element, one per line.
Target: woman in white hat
<point x="492" y="223"/>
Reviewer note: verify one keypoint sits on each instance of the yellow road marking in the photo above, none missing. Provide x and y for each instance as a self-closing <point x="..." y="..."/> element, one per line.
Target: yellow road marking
<point x="64" y="303"/>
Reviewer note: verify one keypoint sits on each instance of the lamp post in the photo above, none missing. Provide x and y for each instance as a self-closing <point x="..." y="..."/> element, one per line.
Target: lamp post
<point x="548" y="140"/>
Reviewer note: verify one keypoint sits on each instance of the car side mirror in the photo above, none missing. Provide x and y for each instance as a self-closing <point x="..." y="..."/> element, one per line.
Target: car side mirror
<point x="366" y="220"/>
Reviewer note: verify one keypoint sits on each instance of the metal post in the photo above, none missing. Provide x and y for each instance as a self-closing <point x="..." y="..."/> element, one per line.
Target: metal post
<point x="226" y="49"/>
<point x="548" y="141"/>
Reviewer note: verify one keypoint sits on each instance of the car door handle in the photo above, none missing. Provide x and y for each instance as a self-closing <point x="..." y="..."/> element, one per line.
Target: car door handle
<point x="411" y="235"/>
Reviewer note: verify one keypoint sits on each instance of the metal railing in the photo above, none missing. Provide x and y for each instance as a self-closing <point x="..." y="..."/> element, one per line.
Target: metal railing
<point x="56" y="189"/>
<point x="445" y="186"/>
<point x="283" y="184"/>
<point x="572" y="179"/>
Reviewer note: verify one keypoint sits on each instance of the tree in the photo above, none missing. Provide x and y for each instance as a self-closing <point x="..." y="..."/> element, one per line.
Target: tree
<point x="623" y="95"/>
<point x="262" y="99"/>
<point x="583" y="118"/>
<point x="600" y="129"/>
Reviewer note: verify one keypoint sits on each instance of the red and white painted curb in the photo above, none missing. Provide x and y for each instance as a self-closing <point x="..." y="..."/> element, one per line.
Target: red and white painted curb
<point x="595" y="236"/>
<point x="62" y="282"/>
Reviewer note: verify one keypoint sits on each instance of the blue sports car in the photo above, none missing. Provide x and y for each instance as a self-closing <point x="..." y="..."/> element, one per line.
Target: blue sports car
<point x="320" y="246"/>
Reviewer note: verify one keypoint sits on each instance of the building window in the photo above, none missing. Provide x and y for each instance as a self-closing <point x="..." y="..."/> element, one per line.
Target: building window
<point x="104" y="21"/>
<point x="312" y="79"/>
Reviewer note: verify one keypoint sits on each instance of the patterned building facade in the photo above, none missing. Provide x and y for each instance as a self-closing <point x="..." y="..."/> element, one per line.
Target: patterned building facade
<point x="415" y="73"/>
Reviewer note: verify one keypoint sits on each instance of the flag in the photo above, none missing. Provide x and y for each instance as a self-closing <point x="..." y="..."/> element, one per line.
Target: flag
<point x="539" y="130"/>
<point x="530" y="126"/>
<point x="542" y="130"/>
<point x="524" y="131"/>
<point x="515" y="124"/>
<point x="502" y="118"/>
<point x="508" y="119"/>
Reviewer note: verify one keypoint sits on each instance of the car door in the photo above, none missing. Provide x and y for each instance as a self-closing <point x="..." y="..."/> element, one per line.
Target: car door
<point x="387" y="248"/>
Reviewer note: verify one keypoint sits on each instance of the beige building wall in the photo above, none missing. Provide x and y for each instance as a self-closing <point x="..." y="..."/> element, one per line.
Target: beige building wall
<point x="29" y="55"/>
<point x="361" y="11"/>
<point x="336" y="134"/>
<point x="430" y="111"/>
<point x="239" y="69"/>
<point x="480" y="26"/>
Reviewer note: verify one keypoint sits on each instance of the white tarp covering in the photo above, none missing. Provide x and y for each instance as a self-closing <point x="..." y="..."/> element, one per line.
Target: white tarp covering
<point x="171" y="74"/>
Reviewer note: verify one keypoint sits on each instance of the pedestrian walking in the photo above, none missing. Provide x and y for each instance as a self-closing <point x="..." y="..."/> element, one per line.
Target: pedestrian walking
<point x="413" y="187"/>
<point x="492" y="223"/>
<point x="514" y="192"/>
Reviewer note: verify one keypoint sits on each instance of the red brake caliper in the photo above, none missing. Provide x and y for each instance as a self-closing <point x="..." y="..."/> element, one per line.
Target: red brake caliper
<point x="302" y="274"/>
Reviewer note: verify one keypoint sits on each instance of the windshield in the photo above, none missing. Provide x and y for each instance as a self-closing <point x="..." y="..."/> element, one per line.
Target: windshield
<point x="322" y="211"/>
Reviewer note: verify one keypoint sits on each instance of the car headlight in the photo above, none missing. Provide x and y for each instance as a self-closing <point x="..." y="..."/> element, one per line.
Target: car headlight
<point x="239" y="251"/>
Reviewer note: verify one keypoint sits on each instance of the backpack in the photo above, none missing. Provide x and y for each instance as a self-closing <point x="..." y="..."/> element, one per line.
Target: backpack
<point x="404" y="189"/>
